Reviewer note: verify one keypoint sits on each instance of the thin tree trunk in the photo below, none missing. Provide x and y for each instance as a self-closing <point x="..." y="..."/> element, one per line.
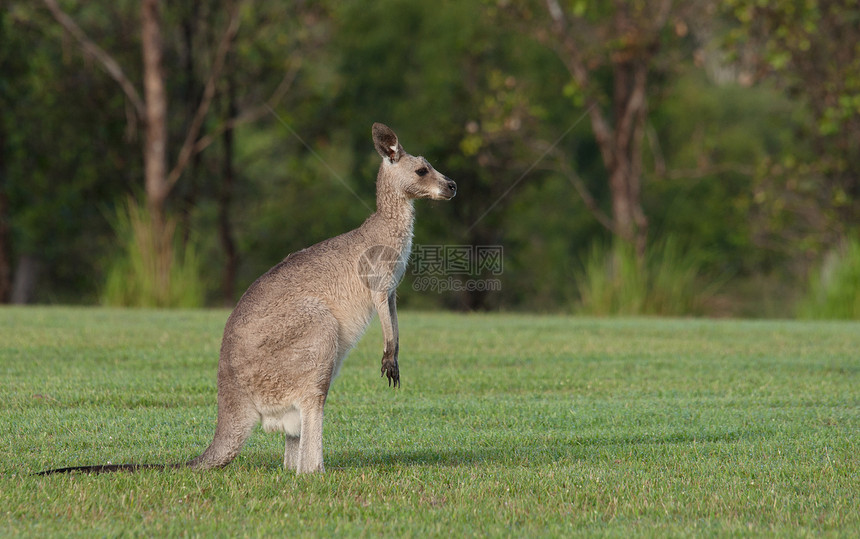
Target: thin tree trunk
<point x="191" y="93"/>
<point x="620" y="135"/>
<point x="625" y="167"/>
<point x="155" y="99"/>
<point x="26" y="277"/>
<point x="155" y="146"/>
<point x="225" y="199"/>
<point x="5" y="232"/>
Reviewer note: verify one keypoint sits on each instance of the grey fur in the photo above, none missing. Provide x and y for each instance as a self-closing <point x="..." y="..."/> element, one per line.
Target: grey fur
<point x="287" y="337"/>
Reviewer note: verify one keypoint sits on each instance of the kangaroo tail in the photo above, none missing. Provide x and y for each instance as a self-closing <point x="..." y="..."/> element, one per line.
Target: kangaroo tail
<point x="103" y="468"/>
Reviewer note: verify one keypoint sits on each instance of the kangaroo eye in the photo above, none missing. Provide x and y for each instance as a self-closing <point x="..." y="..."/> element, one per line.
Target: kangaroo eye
<point x="422" y="171"/>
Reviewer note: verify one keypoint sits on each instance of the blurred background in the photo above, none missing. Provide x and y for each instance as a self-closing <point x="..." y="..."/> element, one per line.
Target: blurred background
<point x="628" y="157"/>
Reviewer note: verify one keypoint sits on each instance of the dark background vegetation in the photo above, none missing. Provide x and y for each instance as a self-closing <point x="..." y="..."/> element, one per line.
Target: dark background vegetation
<point x="712" y="145"/>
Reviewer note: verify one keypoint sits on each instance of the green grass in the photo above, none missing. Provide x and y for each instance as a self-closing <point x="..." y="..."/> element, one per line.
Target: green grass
<point x="506" y="425"/>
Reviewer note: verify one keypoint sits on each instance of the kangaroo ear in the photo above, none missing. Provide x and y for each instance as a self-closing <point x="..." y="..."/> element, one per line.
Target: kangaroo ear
<point x="386" y="142"/>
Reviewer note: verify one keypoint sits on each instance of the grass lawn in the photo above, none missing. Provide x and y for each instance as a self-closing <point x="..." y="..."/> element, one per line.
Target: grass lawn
<point x="506" y="425"/>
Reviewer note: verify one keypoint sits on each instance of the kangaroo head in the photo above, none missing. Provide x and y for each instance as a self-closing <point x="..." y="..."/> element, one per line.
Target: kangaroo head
<point x="411" y="175"/>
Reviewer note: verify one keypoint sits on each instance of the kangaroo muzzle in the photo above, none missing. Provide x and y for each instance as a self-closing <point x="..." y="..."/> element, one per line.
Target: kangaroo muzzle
<point x="450" y="189"/>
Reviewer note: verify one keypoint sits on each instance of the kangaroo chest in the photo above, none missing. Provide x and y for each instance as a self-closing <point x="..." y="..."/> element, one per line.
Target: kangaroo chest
<point x="400" y="264"/>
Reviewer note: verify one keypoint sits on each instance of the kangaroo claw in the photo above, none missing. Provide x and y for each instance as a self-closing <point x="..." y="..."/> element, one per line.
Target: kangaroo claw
<point x="391" y="370"/>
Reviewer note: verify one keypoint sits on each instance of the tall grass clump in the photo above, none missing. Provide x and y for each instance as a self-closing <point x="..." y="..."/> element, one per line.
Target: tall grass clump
<point x="666" y="281"/>
<point x="834" y="288"/>
<point x="151" y="269"/>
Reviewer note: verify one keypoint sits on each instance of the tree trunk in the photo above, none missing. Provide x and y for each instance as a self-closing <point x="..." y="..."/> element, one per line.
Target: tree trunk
<point x="636" y="28"/>
<point x="5" y="232"/>
<point x="225" y="198"/>
<point x="191" y="93"/>
<point x="155" y="100"/>
<point x="625" y="163"/>
<point x="476" y="299"/>
<point x="26" y="277"/>
<point x="160" y="248"/>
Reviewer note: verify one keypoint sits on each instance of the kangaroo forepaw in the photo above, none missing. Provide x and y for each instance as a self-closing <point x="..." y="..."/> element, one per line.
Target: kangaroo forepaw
<point x="390" y="369"/>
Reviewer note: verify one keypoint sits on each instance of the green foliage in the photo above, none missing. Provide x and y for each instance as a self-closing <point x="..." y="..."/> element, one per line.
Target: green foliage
<point x="615" y="281"/>
<point x="152" y="269"/>
<point x="796" y="40"/>
<point x="535" y="236"/>
<point x="706" y="188"/>
<point x="64" y="148"/>
<point x="810" y="48"/>
<point x="834" y="288"/>
<point x="750" y="171"/>
<point x="511" y="425"/>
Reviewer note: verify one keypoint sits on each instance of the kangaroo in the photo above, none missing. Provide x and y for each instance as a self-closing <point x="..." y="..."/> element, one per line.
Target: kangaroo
<point x="287" y="338"/>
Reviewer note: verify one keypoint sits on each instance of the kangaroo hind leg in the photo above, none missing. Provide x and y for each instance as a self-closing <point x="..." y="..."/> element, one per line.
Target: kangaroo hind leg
<point x="236" y="420"/>
<point x="310" y="447"/>
<point x="291" y="452"/>
<point x="317" y="353"/>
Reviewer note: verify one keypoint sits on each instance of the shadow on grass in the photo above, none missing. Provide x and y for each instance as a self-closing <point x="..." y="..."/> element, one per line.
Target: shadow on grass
<point x="415" y="457"/>
<point x="545" y="450"/>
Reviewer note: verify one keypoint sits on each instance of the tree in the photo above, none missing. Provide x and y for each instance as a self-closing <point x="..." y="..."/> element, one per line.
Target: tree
<point x="811" y="50"/>
<point x="610" y="50"/>
<point x="64" y="154"/>
<point x="225" y="196"/>
<point x="151" y="110"/>
<point x="5" y="231"/>
<point x="154" y="112"/>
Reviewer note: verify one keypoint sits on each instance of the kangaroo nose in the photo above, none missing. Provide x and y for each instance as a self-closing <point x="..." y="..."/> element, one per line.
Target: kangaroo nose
<point x="452" y="186"/>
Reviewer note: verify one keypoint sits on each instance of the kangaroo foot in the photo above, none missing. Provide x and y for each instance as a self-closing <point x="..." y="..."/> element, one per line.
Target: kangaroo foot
<point x="390" y="369"/>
